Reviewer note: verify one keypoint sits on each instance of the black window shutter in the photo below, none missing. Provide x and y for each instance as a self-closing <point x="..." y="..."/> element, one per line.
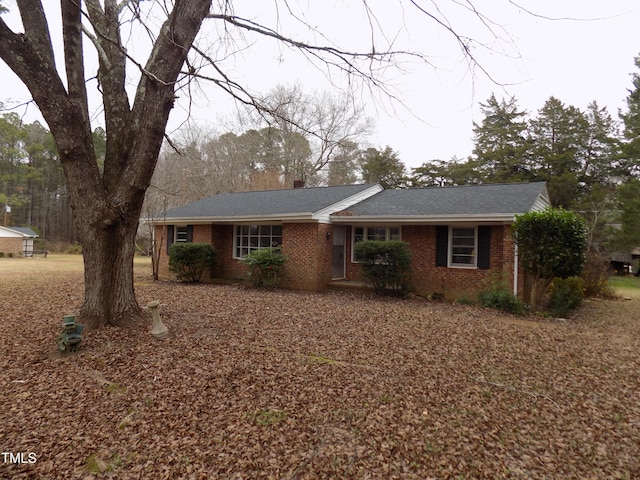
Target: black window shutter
<point x="442" y="245"/>
<point x="169" y="237"/>
<point x="484" y="247"/>
<point x="189" y="233"/>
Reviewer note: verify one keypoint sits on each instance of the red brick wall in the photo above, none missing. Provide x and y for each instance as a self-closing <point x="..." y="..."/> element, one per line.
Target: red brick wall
<point x="226" y="266"/>
<point x="453" y="283"/>
<point x="12" y="245"/>
<point x="309" y="252"/>
<point x="306" y="245"/>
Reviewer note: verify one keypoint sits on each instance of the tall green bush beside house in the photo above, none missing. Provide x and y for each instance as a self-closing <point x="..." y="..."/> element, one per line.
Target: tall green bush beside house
<point x="551" y="243"/>
<point x="386" y="265"/>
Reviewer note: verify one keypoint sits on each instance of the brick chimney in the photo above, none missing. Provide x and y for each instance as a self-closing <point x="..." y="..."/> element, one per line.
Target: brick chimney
<point x="298" y="184"/>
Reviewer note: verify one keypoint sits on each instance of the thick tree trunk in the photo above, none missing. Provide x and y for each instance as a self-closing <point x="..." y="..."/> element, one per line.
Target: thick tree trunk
<point x="106" y="205"/>
<point x="109" y="296"/>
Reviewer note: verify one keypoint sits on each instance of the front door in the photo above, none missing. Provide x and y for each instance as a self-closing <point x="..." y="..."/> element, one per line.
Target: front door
<point x="338" y="253"/>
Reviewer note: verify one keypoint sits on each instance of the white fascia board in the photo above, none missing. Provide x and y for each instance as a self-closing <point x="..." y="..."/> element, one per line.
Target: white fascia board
<point x="324" y="215"/>
<point x="7" y="232"/>
<point x="306" y="217"/>
<point x="423" y="219"/>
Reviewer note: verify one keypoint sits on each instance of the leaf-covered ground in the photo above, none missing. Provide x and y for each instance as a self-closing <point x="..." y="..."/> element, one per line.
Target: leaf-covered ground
<point x="289" y="385"/>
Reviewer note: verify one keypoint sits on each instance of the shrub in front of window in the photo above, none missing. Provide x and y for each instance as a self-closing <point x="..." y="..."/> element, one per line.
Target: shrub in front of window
<point x="265" y="267"/>
<point x="189" y="260"/>
<point x="565" y="295"/>
<point x="502" y="299"/>
<point x="386" y="265"/>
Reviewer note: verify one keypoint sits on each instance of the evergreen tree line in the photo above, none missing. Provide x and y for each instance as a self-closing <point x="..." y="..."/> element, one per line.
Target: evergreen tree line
<point x="576" y="152"/>
<point x="589" y="160"/>
<point x="32" y="182"/>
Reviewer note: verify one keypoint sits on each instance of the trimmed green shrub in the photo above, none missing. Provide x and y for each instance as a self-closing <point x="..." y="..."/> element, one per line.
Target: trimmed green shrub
<point x="551" y="243"/>
<point x="1" y="254"/>
<point x="386" y="265"/>
<point x="189" y="260"/>
<point x="265" y="267"/>
<point x="502" y="299"/>
<point x="565" y="294"/>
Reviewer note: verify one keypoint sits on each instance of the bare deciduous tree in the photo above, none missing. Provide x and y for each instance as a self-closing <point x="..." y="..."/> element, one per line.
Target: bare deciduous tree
<point x="107" y="202"/>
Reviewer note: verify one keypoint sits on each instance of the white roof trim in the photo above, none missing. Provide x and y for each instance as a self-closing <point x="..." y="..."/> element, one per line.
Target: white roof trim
<point x="324" y="215"/>
<point x="422" y="219"/>
<point x="14" y="233"/>
<point x="285" y="218"/>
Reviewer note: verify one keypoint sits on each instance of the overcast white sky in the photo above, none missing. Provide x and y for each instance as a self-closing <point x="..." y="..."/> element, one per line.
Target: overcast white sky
<point x="585" y="53"/>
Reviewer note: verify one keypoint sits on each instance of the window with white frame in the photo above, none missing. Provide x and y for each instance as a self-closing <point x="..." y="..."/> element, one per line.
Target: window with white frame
<point x="383" y="233"/>
<point x="463" y="246"/>
<point x="254" y="237"/>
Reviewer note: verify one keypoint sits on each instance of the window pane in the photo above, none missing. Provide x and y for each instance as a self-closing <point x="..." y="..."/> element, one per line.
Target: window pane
<point x="464" y="232"/>
<point x="358" y="234"/>
<point x="463" y="243"/>
<point x="376" y="233"/>
<point x="253" y="237"/>
<point x="461" y="260"/>
<point x="265" y="229"/>
<point x="394" y="233"/>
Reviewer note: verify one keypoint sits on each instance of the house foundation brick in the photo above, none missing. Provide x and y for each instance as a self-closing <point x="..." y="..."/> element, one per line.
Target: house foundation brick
<point x="11" y="245"/>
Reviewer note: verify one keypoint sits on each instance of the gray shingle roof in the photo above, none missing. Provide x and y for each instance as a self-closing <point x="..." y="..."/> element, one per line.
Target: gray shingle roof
<point x="26" y="231"/>
<point x="298" y="201"/>
<point x="478" y="200"/>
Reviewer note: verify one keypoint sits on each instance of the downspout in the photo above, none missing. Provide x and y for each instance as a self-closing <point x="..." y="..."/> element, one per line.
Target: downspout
<point x="515" y="269"/>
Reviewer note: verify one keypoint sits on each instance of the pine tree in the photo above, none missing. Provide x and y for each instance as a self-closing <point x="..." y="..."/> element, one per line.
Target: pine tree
<point x="559" y="136"/>
<point x="500" y="142"/>
<point x="631" y="119"/>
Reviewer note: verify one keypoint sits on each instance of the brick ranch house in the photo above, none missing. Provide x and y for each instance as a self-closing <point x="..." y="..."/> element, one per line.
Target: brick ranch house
<point x="17" y="241"/>
<point x="460" y="237"/>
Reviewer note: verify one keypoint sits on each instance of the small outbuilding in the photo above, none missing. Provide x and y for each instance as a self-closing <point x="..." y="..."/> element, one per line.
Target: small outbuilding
<point x="17" y="241"/>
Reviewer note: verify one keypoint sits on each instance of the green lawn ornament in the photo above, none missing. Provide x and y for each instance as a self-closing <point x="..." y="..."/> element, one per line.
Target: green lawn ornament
<point x="71" y="337"/>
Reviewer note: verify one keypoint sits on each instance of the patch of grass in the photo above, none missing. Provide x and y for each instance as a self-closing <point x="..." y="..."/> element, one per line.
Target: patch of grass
<point x="116" y="388"/>
<point x="625" y="285"/>
<point x="270" y="417"/>
<point x="96" y="465"/>
<point x="20" y="270"/>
